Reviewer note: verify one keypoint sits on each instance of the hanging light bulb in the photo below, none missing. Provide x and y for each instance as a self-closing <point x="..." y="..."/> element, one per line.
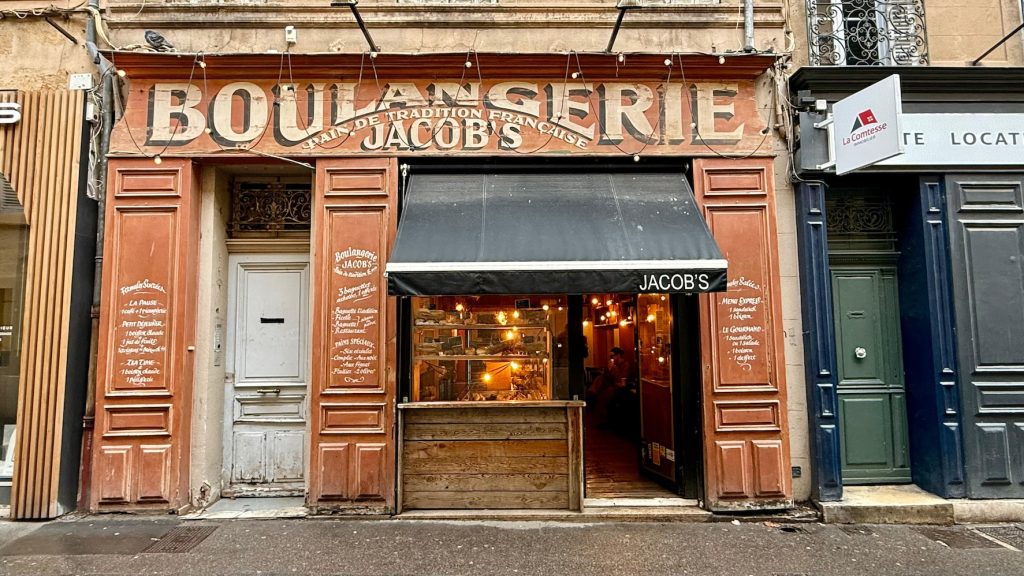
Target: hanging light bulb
<point x="487" y="377"/>
<point x="513" y="365"/>
<point x="595" y="301"/>
<point x="459" y="307"/>
<point x="157" y="160"/>
<point x="545" y="307"/>
<point x="608" y="303"/>
<point x="623" y="323"/>
<point x="515" y="314"/>
<point x="651" y="317"/>
<point x="586" y="323"/>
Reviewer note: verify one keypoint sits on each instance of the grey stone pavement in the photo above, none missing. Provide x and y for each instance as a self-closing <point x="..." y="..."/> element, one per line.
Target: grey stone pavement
<point x="117" y="545"/>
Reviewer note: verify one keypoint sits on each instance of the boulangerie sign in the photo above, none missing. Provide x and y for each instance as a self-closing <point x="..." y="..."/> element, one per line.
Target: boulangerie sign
<point x="515" y="115"/>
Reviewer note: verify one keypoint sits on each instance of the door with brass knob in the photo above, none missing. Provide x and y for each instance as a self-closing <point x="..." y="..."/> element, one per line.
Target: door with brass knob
<point x="872" y="406"/>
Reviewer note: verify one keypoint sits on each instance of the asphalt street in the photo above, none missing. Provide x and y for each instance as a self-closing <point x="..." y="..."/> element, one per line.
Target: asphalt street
<point x="131" y="546"/>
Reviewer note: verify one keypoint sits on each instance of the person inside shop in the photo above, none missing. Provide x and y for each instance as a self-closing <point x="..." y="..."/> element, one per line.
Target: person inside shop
<point x="608" y="389"/>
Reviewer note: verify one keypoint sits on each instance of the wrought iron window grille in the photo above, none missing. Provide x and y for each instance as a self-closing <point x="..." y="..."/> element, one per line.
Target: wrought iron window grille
<point x="275" y="207"/>
<point x="867" y="32"/>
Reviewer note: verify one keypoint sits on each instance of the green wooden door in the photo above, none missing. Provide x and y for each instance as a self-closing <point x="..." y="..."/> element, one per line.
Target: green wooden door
<point x="872" y="401"/>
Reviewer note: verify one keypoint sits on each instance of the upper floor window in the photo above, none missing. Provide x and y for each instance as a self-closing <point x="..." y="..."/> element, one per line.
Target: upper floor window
<point x="867" y="32"/>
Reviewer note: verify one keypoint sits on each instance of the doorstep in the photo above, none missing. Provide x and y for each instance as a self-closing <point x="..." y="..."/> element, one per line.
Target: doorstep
<point x="252" y="509"/>
<point x="888" y="504"/>
<point x="987" y="511"/>
<point x="604" y="510"/>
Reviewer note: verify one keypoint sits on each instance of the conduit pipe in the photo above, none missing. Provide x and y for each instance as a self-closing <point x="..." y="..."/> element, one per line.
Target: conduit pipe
<point x="748" y="25"/>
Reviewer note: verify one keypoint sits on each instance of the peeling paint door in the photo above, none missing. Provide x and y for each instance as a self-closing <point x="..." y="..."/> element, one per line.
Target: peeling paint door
<point x="265" y="437"/>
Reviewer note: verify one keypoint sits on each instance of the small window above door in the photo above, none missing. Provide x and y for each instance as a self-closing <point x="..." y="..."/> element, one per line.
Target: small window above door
<point x="271" y="207"/>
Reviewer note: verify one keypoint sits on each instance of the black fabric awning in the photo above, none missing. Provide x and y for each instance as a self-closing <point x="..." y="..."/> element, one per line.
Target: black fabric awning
<point x="544" y="233"/>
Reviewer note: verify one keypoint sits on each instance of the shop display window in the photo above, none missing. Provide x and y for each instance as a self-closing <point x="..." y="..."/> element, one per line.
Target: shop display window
<point x="13" y="250"/>
<point x="481" y="348"/>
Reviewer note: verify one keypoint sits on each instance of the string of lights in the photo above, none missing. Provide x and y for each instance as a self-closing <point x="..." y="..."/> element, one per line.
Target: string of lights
<point x="460" y="98"/>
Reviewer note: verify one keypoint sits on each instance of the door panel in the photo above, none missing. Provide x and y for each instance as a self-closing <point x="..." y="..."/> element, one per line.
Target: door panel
<point x="272" y="346"/>
<point x="741" y="343"/>
<point x="872" y="407"/>
<point x="858" y="326"/>
<point x="867" y="430"/>
<point x="269" y="348"/>
<point x="286" y="449"/>
<point x="249" y="450"/>
<point x="654" y="354"/>
<point x="987" y="249"/>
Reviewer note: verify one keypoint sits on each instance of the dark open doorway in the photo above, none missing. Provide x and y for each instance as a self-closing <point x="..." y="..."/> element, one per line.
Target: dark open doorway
<point x="641" y="424"/>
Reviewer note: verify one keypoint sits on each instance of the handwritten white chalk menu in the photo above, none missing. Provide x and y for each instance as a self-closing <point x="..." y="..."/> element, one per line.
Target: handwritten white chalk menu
<point x="742" y="331"/>
<point x="140" y="335"/>
<point x="355" y="319"/>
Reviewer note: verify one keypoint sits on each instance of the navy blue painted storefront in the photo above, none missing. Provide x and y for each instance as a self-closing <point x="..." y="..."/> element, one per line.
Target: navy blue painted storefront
<point x="954" y="235"/>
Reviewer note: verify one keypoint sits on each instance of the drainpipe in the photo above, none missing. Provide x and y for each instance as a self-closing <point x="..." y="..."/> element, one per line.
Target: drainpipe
<point x="748" y="26"/>
<point x="106" y="114"/>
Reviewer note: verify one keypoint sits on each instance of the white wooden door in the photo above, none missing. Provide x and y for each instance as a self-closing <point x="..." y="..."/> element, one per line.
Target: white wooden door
<point x="265" y="443"/>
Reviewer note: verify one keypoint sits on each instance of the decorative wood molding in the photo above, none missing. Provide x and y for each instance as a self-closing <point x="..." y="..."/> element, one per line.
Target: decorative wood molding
<point x="268" y="245"/>
<point x="747" y="449"/>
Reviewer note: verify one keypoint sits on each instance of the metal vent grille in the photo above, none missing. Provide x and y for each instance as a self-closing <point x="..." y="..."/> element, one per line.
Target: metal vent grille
<point x="180" y="539"/>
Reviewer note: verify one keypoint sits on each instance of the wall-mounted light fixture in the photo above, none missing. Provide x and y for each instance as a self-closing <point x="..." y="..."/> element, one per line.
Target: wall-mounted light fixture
<point x="622" y="7"/>
<point x="352" y="5"/>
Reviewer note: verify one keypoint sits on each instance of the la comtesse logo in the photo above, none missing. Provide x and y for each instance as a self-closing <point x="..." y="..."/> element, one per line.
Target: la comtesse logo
<point x="865" y="127"/>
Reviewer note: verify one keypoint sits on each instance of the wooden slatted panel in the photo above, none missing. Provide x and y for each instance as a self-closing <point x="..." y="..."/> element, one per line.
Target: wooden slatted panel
<point x="40" y="158"/>
<point x="747" y="455"/>
<point x="468" y="458"/>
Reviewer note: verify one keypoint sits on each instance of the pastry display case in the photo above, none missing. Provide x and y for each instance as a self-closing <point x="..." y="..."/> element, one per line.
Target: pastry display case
<point x="480" y="352"/>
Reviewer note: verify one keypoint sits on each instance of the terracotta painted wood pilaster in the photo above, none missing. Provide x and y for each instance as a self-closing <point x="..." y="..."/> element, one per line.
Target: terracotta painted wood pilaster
<point x="147" y="326"/>
<point x="352" y="401"/>
<point x="746" y="436"/>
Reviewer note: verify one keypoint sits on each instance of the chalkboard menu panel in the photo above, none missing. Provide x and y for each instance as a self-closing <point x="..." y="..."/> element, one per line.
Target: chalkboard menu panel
<point x="141" y="354"/>
<point x="742" y="323"/>
<point x="357" y="300"/>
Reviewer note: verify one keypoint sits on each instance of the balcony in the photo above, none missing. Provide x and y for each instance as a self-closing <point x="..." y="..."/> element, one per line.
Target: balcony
<point x="867" y="33"/>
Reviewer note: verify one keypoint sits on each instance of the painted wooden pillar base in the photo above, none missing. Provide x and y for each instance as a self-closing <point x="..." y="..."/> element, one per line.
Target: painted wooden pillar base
<point x="746" y="434"/>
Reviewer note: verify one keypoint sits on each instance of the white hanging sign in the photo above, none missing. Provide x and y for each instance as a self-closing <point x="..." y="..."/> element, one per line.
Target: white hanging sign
<point x="868" y="126"/>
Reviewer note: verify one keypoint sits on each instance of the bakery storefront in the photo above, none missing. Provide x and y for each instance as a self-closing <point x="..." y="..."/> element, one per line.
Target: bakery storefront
<point x="503" y="281"/>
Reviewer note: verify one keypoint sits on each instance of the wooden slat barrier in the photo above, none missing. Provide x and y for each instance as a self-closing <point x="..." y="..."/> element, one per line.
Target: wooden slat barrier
<point x="39" y="156"/>
<point x="746" y="435"/>
<point x="491" y="455"/>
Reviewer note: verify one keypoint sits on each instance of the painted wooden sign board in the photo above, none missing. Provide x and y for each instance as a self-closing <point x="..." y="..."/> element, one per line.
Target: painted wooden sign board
<point x="489" y="117"/>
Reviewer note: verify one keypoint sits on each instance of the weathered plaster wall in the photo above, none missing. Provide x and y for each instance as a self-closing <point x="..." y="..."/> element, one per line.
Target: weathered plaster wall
<point x="35" y="55"/>
<point x="961" y="30"/>
<point x="207" y="448"/>
<point x="425" y="26"/>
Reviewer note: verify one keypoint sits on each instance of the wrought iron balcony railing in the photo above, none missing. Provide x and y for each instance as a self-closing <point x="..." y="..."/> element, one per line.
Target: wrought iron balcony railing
<point x="867" y="32"/>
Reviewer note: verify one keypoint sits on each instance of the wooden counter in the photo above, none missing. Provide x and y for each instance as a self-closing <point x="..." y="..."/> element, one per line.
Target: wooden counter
<point x="476" y="455"/>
